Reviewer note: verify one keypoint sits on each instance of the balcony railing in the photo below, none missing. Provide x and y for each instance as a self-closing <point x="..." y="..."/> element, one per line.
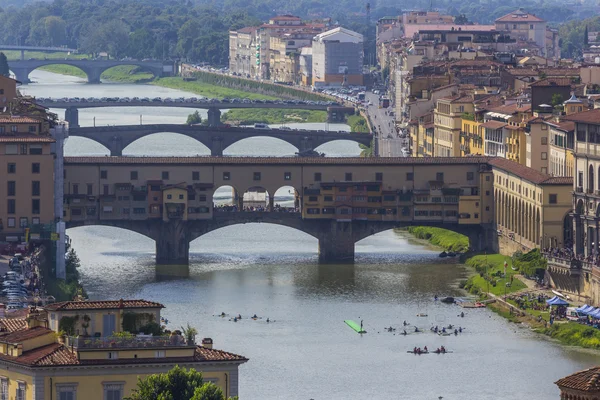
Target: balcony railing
<point x="111" y="342"/>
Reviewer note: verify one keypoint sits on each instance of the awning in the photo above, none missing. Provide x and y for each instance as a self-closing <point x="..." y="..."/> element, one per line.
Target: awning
<point x="585" y="309"/>
<point x="557" y="301"/>
<point x="493" y="124"/>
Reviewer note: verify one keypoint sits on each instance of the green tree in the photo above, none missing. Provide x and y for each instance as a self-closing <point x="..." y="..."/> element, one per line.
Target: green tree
<point x="461" y="19"/>
<point x="56" y="30"/>
<point x="4" y="69"/>
<point x="557" y="99"/>
<point x="194" y="118"/>
<point x="177" y="384"/>
<point x="585" y="37"/>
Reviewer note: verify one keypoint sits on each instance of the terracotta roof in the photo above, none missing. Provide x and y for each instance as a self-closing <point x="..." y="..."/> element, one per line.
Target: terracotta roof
<point x="102" y="305"/>
<point x="52" y="354"/>
<point x="208" y="160"/>
<point x="519" y="16"/>
<point x="547" y="71"/>
<point x="205" y="354"/>
<point x="12" y="324"/>
<point x="563" y="125"/>
<point x="494" y="124"/>
<point x="285" y="18"/>
<point x="26" y="138"/>
<point x="511" y="108"/>
<point x="552" y="82"/>
<point x="587" y="380"/>
<point x="19" y="120"/>
<point x="20" y="336"/>
<point x="474" y="63"/>
<point x="529" y="174"/>
<point x="590" y="117"/>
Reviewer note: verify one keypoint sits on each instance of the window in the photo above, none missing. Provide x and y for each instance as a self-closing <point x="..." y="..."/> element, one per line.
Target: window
<point x="13" y="128"/>
<point x="487" y="192"/>
<point x="11" y="206"/>
<point x="139" y="210"/>
<point x="105" y="190"/>
<point x="328" y="198"/>
<point x="530" y="26"/>
<point x="476" y="215"/>
<point x="12" y="222"/>
<point x="169" y="196"/>
<point x="159" y="354"/>
<point x="180" y="197"/>
<point x="20" y="391"/>
<point x="66" y="391"/>
<point x="257" y="176"/>
<point x="75" y="188"/>
<point x="487" y="208"/>
<point x="113" y="391"/>
<point x="35" y="168"/>
<point x="348" y="176"/>
<point x="24" y="149"/>
<point x="544" y="155"/>
<point x="544" y="140"/>
<point x="112" y="355"/>
<point x="90" y="189"/>
<point x="133" y="175"/>
<point x="487" y="178"/>
<point x="287" y="176"/>
<point x="317" y="177"/>
<point x="35" y="188"/>
<point x="32" y="128"/>
<point x="35" y="149"/>
<point x="313" y="211"/>
<point x="12" y="168"/>
<point x="35" y="206"/>
<point x="379" y="176"/>
<point x="553" y="198"/>
<point x="165" y="175"/>
<point x="470" y="176"/>
<point x="226" y="176"/>
<point x="35" y="221"/>
<point x="23" y="222"/>
<point x="11" y="149"/>
<point x="580" y="179"/>
<point x="195" y="175"/>
<point x="313" y="198"/>
<point x="104" y="174"/>
<point x="3" y="389"/>
<point x="11" y="188"/>
<point x="439" y="176"/>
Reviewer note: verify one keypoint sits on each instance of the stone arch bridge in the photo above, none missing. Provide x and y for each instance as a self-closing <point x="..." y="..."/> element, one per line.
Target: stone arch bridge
<point x="117" y="138"/>
<point x="336" y="239"/>
<point x="92" y="68"/>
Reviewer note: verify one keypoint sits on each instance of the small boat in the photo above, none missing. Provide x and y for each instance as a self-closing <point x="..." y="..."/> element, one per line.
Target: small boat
<point x="445" y="333"/>
<point x="443" y="254"/>
<point x="442" y="352"/>
<point x="421" y="315"/>
<point x="448" y="300"/>
<point x="451" y="254"/>
<point x="417" y="353"/>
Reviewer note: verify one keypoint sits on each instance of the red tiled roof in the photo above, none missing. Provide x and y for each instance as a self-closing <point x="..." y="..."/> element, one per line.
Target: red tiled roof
<point x="587" y="380"/>
<point x="548" y="71"/>
<point x="494" y="124"/>
<point x="19" y="120"/>
<point x="529" y="174"/>
<point x="26" y="138"/>
<point x="52" y="354"/>
<point x="511" y="108"/>
<point x="552" y="82"/>
<point x="205" y="354"/>
<point x="20" y="336"/>
<point x="12" y="324"/>
<point x="589" y="117"/>
<point x="285" y="18"/>
<point x="521" y="16"/>
<point x="102" y="305"/>
<point x="564" y="125"/>
<point x="275" y="160"/>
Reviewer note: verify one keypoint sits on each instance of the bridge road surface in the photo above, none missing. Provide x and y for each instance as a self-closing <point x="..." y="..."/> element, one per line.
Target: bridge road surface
<point x="390" y="144"/>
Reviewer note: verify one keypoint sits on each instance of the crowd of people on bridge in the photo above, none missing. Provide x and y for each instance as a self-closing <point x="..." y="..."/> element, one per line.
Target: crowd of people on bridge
<point x="568" y="254"/>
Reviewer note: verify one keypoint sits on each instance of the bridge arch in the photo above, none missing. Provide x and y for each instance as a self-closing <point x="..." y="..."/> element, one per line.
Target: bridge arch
<point x="124" y="225"/>
<point x="90" y="147"/>
<point x="261" y="146"/>
<point x="286" y="197"/>
<point x="79" y="72"/>
<point x="166" y="144"/>
<point x="340" y="147"/>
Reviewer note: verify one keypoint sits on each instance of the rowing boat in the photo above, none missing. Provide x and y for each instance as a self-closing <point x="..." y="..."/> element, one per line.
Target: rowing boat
<point x="421" y="315"/>
<point x="441" y="352"/>
<point x="417" y="353"/>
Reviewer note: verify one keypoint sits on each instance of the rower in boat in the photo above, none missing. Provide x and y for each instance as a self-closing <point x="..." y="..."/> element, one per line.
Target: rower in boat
<point x="222" y="314"/>
<point x="239" y="316"/>
<point x="235" y="319"/>
<point x="456" y="332"/>
<point x="436" y="297"/>
<point x="404" y="332"/>
<point x="416" y="329"/>
<point x="444" y="330"/>
<point x="425" y="349"/>
<point x="268" y="320"/>
<point x="450" y="326"/>
<point x="459" y="329"/>
<point x="443" y="349"/>
<point x="404" y="323"/>
<point x="462" y="314"/>
<point x="390" y="329"/>
<point x="254" y="316"/>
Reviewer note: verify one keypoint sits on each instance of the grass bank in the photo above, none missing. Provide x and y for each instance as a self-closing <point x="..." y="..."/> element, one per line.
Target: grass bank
<point x="448" y="240"/>
<point x="121" y="73"/>
<point x="272" y="116"/>
<point x="490" y="275"/>
<point x="573" y="334"/>
<point x="209" y="90"/>
<point x="357" y="123"/>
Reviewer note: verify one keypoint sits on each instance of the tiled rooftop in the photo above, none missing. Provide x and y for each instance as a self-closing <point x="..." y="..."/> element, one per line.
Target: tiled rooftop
<point x="19" y="120"/>
<point x="20" y="336"/>
<point x="587" y="380"/>
<point x="25" y="138"/>
<point x="552" y="82"/>
<point x="519" y="16"/>
<point x="494" y="124"/>
<point x="12" y="324"/>
<point x="529" y="174"/>
<point x="589" y="117"/>
<point x="102" y="305"/>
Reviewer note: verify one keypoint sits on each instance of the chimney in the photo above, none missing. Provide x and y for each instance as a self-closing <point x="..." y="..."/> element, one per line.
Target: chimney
<point x="207" y="343"/>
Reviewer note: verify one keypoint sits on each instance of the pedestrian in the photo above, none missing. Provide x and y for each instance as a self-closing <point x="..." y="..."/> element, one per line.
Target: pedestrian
<point x="361" y="325"/>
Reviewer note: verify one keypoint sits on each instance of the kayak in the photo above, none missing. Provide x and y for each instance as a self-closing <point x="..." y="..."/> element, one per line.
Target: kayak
<point x="442" y="352"/>
<point x="417" y="353"/>
<point x="421" y="315"/>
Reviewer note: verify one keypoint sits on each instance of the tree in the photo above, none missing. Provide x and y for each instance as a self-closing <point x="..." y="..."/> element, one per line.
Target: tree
<point x="56" y="30"/>
<point x="585" y="37"/>
<point x="194" y="118"/>
<point x="4" y="69"/>
<point x="177" y="384"/>
<point x="461" y="19"/>
<point x="557" y="99"/>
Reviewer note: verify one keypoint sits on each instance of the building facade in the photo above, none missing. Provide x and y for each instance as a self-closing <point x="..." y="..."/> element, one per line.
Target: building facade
<point x="337" y="58"/>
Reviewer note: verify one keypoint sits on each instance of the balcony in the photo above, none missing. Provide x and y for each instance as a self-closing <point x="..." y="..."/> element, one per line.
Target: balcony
<point x="111" y="342"/>
<point x="579" y="189"/>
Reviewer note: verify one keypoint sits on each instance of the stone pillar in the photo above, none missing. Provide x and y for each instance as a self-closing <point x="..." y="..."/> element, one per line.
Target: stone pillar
<point x="336" y="242"/>
<point x="116" y="146"/>
<point x="271" y="202"/>
<point x="217" y="146"/>
<point x="172" y="243"/>
<point x="21" y="74"/>
<point x="93" y="75"/>
<point x="72" y="117"/>
<point x="214" y="116"/>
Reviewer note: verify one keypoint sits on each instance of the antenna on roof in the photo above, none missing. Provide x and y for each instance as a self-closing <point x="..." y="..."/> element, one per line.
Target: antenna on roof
<point x="368" y="10"/>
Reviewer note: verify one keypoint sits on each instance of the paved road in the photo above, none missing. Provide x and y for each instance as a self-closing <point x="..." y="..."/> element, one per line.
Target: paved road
<point x="390" y="144"/>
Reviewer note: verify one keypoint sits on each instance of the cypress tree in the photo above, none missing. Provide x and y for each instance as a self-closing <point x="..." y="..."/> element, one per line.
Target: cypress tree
<point x="4" y="70"/>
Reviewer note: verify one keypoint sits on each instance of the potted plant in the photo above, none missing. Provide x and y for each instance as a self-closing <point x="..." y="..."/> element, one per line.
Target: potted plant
<point x="190" y="334"/>
<point x="62" y="336"/>
<point x="85" y="324"/>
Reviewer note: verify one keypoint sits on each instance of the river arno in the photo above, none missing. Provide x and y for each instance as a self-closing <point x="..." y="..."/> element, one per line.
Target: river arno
<point x="309" y="352"/>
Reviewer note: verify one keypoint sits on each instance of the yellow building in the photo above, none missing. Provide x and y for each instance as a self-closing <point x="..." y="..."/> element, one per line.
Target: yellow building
<point x="95" y="364"/>
<point x="421" y="135"/>
<point x="471" y="137"/>
<point x="448" y="123"/>
<point x="562" y="138"/>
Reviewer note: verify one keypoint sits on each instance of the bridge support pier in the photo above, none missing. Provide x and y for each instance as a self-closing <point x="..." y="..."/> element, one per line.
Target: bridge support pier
<point x="214" y="116"/>
<point x="93" y="74"/>
<point x="172" y="243"/>
<point x="21" y="74"/>
<point x="116" y="146"/>
<point x="217" y="146"/>
<point x="483" y="239"/>
<point x="336" y="242"/>
<point x="72" y="117"/>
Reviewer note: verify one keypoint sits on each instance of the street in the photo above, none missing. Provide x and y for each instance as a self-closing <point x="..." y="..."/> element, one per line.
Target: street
<point x="390" y="144"/>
